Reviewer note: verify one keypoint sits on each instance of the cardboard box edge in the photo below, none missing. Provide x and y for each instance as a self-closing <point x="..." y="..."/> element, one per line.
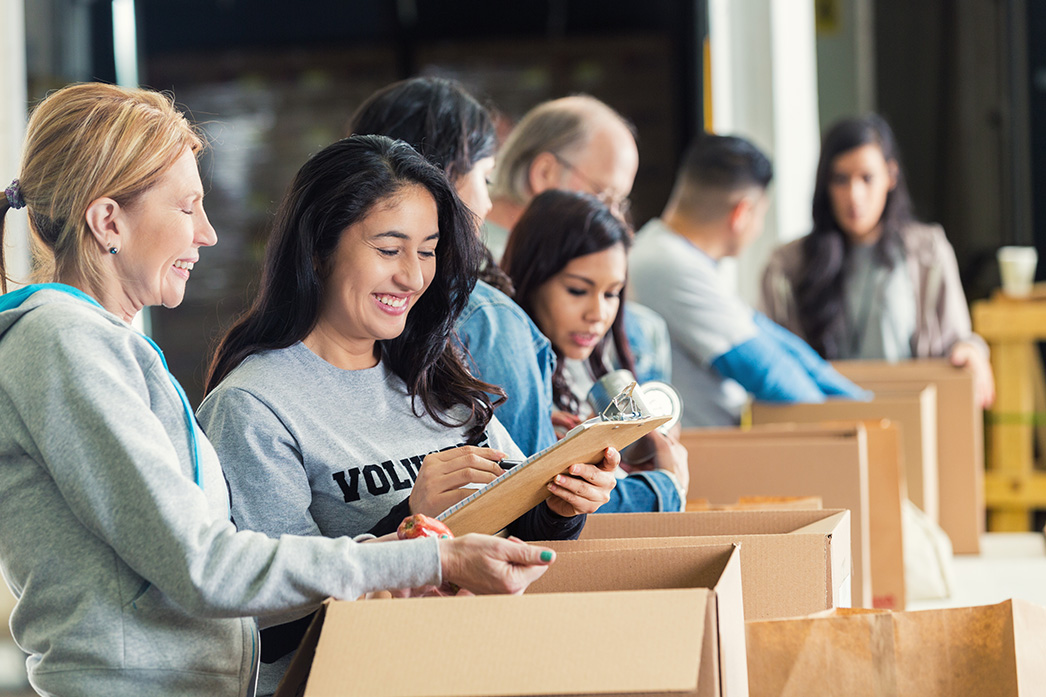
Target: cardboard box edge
<point x="297" y="674"/>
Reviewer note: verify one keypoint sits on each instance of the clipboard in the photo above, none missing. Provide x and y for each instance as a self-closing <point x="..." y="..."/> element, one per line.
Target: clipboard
<point x="524" y="486"/>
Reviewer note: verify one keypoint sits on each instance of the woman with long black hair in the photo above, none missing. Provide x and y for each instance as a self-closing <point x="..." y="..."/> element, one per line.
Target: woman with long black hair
<point x="503" y="346"/>
<point x="455" y="132"/>
<point x="869" y="281"/>
<point x="337" y="402"/>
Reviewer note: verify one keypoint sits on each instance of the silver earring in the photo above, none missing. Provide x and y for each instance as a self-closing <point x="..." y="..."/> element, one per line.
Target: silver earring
<point x="113" y="250"/>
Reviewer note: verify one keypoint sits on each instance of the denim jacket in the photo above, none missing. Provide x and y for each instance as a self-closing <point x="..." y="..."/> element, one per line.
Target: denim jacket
<point x="643" y="492"/>
<point x="505" y="348"/>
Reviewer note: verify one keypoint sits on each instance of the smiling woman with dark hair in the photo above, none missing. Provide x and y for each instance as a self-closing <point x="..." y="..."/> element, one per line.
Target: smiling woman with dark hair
<point x="338" y="403"/>
<point x="338" y="188"/>
<point x="447" y="125"/>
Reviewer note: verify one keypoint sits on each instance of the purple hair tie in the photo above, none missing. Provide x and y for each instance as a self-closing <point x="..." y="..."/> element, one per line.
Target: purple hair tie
<point x="14" y="196"/>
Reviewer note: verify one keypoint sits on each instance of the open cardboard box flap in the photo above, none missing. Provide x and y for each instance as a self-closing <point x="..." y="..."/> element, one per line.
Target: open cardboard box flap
<point x="689" y="618"/>
<point x="715" y="566"/>
<point x="699" y="523"/>
<point x="960" y="437"/>
<point x="793" y="562"/>
<point x="916" y="412"/>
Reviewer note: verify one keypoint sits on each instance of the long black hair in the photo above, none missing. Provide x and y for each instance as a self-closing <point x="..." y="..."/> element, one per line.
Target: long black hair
<point x="336" y="188"/>
<point x="556" y="228"/>
<point x="819" y="295"/>
<point x="444" y="123"/>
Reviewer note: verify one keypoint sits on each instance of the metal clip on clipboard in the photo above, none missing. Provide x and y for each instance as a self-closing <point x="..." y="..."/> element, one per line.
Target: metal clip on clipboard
<point x="626" y="404"/>
<point x="524" y="486"/>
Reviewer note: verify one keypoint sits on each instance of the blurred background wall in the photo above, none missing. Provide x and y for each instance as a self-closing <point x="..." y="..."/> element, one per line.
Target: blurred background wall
<point x="272" y="82"/>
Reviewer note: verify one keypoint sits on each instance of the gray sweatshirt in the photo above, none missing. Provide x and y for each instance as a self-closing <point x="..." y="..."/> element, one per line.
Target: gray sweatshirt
<point x="312" y="449"/>
<point x="130" y="578"/>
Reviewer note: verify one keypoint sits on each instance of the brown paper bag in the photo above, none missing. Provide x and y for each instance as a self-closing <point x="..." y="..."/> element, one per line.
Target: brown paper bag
<point x="848" y="653"/>
<point x="995" y="650"/>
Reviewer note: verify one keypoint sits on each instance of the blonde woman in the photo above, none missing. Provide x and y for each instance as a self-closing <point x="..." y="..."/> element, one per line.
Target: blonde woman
<point x="114" y="513"/>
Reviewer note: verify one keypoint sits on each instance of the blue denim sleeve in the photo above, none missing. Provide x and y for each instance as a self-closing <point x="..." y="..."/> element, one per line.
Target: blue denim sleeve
<point x="822" y="372"/>
<point x="643" y="492"/>
<point x="506" y="349"/>
<point x="768" y="372"/>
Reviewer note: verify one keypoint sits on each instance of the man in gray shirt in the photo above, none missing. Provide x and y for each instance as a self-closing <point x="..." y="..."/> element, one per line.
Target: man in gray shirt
<point x="722" y="349"/>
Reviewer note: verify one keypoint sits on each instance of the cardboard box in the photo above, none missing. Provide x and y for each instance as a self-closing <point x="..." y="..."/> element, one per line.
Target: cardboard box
<point x="666" y="622"/>
<point x="829" y="462"/>
<point x="792" y="562"/>
<point x="915" y="413"/>
<point x="960" y="438"/>
<point x="760" y="503"/>
<point x="886" y="491"/>
<point x="958" y="652"/>
<point x="713" y="570"/>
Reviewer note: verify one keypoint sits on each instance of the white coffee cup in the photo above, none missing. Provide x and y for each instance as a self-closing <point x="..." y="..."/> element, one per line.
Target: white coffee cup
<point x="1017" y="269"/>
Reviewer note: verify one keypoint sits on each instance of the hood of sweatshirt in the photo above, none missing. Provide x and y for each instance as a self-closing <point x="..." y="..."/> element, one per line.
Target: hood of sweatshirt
<point x="14" y="305"/>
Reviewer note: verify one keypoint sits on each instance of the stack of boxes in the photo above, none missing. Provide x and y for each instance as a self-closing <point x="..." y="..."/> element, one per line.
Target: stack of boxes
<point x="728" y="600"/>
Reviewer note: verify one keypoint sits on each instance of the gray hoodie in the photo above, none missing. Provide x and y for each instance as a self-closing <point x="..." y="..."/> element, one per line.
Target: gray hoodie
<point x="130" y="578"/>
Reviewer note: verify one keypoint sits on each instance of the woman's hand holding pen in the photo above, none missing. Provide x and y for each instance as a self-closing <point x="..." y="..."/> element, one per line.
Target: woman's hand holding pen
<point x="442" y="476"/>
<point x="584" y="488"/>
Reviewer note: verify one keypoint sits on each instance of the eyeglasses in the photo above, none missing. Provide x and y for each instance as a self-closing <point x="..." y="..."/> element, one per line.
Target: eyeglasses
<point x="619" y="205"/>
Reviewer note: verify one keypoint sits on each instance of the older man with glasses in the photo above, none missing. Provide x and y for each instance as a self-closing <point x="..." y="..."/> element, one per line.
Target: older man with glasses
<point x="576" y="143"/>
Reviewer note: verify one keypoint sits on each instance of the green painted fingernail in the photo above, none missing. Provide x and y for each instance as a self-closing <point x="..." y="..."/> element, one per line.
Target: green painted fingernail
<point x="546" y="555"/>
